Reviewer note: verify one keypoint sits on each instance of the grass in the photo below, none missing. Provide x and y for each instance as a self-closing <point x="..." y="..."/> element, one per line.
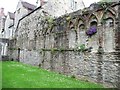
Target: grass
<point x="0" y="75"/>
<point x="18" y="75"/>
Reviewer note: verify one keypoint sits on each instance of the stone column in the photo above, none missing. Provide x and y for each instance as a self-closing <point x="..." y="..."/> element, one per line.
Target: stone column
<point x="117" y="38"/>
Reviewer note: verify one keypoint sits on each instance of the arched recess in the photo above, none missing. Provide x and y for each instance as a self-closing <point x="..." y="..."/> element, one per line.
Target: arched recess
<point x="92" y="31"/>
<point x="81" y="31"/>
<point x="81" y="24"/>
<point x="72" y="35"/>
<point x="108" y="20"/>
<point x="93" y="21"/>
<point x="71" y="25"/>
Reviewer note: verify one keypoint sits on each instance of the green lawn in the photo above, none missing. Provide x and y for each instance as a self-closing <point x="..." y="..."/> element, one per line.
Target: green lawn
<point x="0" y="75"/>
<point x="18" y="75"/>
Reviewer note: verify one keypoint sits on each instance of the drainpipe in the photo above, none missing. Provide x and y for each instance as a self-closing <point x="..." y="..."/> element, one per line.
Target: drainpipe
<point x="18" y="54"/>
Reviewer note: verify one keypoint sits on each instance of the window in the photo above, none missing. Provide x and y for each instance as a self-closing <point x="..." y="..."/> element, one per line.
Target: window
<point x="73" y="4"/>
<point x="93" y="23"/>
<point x="18" y="11"/>
<point x="109" y="22"/>
<point x="71" y="26"/>
<point x="81" y="27"/>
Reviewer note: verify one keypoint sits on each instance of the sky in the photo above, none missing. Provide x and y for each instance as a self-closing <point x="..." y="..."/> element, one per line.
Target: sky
<point x="10" y="5"/>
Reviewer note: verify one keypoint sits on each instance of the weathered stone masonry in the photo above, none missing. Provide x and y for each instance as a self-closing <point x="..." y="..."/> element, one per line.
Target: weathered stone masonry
<point x="62" y="44"/>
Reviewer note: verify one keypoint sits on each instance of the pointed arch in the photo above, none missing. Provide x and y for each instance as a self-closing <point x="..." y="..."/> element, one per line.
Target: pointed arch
<point x="108" y="18"/>
<point x="93" y="17"/>
<point x="81" y="24"/>
<point x="80" y="20"/>
<point x="71" y="25"/>
<point x="110" y="11"/>
<point x="93" y="20"/>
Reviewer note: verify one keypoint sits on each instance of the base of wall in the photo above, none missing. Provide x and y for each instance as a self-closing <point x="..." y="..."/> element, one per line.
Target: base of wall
<point x="5" y="58"/>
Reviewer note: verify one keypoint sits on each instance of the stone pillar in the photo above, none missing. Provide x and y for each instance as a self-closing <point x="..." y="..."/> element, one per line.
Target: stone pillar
<point x="117" y="46"/>
<point x="99" y="66"/>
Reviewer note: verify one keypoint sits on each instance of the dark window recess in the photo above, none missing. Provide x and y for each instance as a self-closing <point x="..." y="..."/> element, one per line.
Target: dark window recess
<point x="2" y="30"/>
<point x="93" y="23"/>
<point x="72" y="28"/>
<point x="81" y="27"/>
<point x="111" y="24"/>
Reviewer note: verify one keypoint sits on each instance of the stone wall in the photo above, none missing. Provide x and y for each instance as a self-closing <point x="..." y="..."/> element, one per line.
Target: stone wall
<point x="62" y="44"/>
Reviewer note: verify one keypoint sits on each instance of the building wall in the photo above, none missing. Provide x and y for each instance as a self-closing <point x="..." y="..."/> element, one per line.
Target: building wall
<point x="60" y="7"/>
<point x="2" y="22"/>
<point x="2" y="26"/>
<point x="20" y="12"/>
<point x="8" y="30"/>
<point x="62" y="45"/>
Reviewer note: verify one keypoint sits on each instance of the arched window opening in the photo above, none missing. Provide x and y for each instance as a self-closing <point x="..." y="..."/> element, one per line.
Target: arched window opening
<point x="71" y="26"/>
<point x="109" y="22"/>
<point x="93" y="23"/>
<point x="81" y="27"/>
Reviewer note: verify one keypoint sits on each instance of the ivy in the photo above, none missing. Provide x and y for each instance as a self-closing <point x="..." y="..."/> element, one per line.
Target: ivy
<point x="13" y="49"/>
<point x="81" y="48"/>
<point x="68" y="18"/>
<point x="50" y="20"/>
<point x="61" y="49"/>
<point x="53" y="50"/>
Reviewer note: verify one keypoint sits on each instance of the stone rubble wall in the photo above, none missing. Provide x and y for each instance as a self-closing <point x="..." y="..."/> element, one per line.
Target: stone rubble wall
<point x="53" y="45"/>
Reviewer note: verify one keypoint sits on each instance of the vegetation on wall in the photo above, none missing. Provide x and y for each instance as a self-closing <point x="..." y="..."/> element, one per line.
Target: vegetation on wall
<point x="91" y="31"/>
<point x="68" y="18"/>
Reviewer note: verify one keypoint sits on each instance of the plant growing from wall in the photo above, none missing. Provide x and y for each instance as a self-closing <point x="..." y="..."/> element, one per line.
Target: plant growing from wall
<point x="62" y="23"/>
<point x="81" y="48"/>
<point x="50" y="20"/>
<point x="68" y="18"/>
<point x="13" y="49"/>
<point x="53" y="50"/>
<point x="91" y="31"/>
<point x="62" y="49"/>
